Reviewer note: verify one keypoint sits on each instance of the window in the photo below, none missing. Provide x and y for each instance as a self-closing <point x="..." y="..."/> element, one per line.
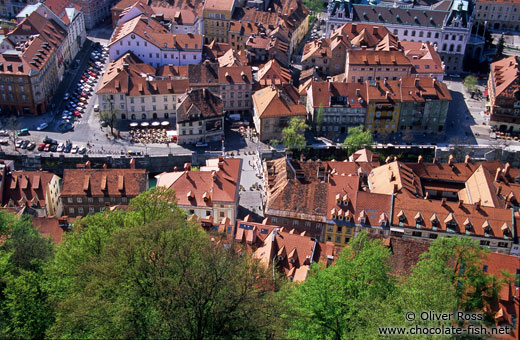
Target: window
<point x="338" y="239"/>
<point x="91" y="210"/>
<point x="296" y="223"/>
<point x="70" y="200"/>
<point x="318" y="226"/>
<point x="90" y="200"/>
<point x="79" y="200"/>
<point x="221" y="214"/>
<point x="80" y="210"/>
<point x="484" y="243"/>
<point x="274" y="219"/>
<point x="417" y="234"/>
<point x="485" y="268"/>
<point x="339" y="229"/>
<point x="100" y="199"/>
<point x="329" y="228"/>
<point x="502" y="244"/>
<point x="124" y="199"/>
<point x="307" y="224"/>
<point x="71" y="211"/>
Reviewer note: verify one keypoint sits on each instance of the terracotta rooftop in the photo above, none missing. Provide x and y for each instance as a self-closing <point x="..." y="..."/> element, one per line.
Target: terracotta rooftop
<point x="219" y="5"/>
<point x="374" y="33"/>
<point x="129" y="75"/>
<point x="59" y="7"/>
<point x="153" y="32"/>
<point x="27" y="188"/>
<point x="376" y="58"/>
<point x="273" y="73"/>
<point x="232" y="58"/>
<point x="421" y="89"/>
<point x="385" y="91"/>
<point x="423" y="57"/>
<point x="504" y="77"/>
<point x="278" y="102"/>
<point x="215" y="49"/>
<point x="104" y="182"/>
<point x="199" y="104"/>
<point x="51" y="226"/>
<point x="235" y="75"/>
<point x="395" y="177"/>
<point x="327" y="94"/>
<point x="453" y="217"/>
<point x="217" y="184"/>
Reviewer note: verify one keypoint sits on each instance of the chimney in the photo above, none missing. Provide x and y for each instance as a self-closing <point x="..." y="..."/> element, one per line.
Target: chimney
<point x="247" y="218"/>
<point x="416" y="82"/>
<point x="388" y="159"/>
<point x="87" y="165"/>
<point x="499" y="190"/>
<point x="104" y="166"/>
<point x="395" y="188"/>
<point x="375" y="30"/>
<point x="220" y="158"/>
<point x="477" y="204"/>
<point x="506" y="169"/>
<point x="358" y="92"/>
<point x="443" y="201"/>
<point x="387" y="94"/>
<point x="460" y="204"/>
<point x="213" y="175"/>
<point x="420" y="159"/>
<point x="450" y="160"/>
<point x="187" y="166"/>
<point x="467" y="159"/>
<point x="354" y="28"/>
<point x="132" y="163"/>
<point x="497" y="175"/>
<point x="435" y="160"/>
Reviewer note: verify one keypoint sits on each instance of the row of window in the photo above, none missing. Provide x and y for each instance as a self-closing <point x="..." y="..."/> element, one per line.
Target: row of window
<point x="482" y="242"/>
<point x="295" y="223"/>
<point x="165" y="56"/>
<point x="129" y="43"/>
<point x="91" y="199"/>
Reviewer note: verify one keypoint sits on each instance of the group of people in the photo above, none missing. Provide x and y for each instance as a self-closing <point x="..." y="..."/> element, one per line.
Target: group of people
<point x="148" y="135"/>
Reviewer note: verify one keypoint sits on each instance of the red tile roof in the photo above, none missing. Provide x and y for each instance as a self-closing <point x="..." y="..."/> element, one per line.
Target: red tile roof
<point x="378" y="58"/>
<point x="424" y="57"/>
<point x="197" y="104"/>
<point x="324" y="91"/>
<point x="220" y="185"/>
<point x="104" y="182"/>
<point x="273" y="73"/>
<point x="27" y="188"/>
<point x="504" y="74"/>
<point x="235" y="75"/>
<point x="219" y="5"/>
<point x="129" y="75"/>
<point x="58" y="7"/>
<point x="278" y="102"/>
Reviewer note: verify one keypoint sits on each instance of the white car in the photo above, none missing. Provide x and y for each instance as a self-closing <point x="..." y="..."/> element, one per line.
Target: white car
<point x="42" y="126"/>
<point x="4" y="133"/>
<point x="75" y="149"/>
<point x="60" y="148"/>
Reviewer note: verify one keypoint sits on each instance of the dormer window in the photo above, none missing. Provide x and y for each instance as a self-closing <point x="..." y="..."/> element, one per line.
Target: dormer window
<point x="333" y="213"/>
<point x="505" y="230"/>
<point x="419" y="220"/>
<point x="401" y="216"/>
<point x="291" y="260"/>
<point x="435" y="221"/>
<point x="467" y="226"/>
<point x="487" y="228"/>
<point x="451" y="223"/>
<point x="362" y="217"/>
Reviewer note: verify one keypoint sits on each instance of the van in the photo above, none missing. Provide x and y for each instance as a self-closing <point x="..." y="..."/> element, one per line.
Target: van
<point x="23" y="132"/>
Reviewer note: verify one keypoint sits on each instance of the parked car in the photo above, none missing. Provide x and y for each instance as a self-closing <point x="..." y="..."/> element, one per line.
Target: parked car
<point x="31" y="146"/>
<point x="18" y="143"/>
<point x="60" y="147"/>
<point x="74" y="149"/>
<point x="24" y="144"/>
<point x="4" y="133"/>
<point x="66" y="96"/>
<point x="82" y="150"/>
<point x="41" y="147"/>
<point x="201" y="145"/>
<point x="42" y="126"/>
<point x="104" y="123"/>
<point x="47" y="148"/>
<point x="4" y="141"/>
<point x="53" y="147"/>
<point x="23" y="132"/>
<point x="48" y="140"/>
<point x="96" y="108"/>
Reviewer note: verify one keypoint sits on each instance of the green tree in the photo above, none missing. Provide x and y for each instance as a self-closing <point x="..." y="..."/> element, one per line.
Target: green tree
<point x="471" y="83"/>
<point x="163" y="278"/>
<point x="315" y="6"/>
<point x="293" y="136"/>
<point x="109" y="116"/>
<point x="499" y="54"/>
<point x="348" y="300"/>
<point x="24" y="309"/>
<point x="319" y="119"/>
<point x="358" y="139"/>
<point x="449" y="278"/>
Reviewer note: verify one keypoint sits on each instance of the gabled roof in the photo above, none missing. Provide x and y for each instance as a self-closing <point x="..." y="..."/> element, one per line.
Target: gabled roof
<point x="277" y="102"/>
<point x="235" y="75"/>
<point x="383" y="15"/>
<point x="118" y="182"/>
<point x="273" y="73"/>
<point x="376" y="58"/>
<point x="27" y="188"/>
<point x="504" y="73"/>
<point x="353" y="94"/>
<point x="220" y="183"/>
<point x="129" y="75"/>
<point x="219" y="5"/>
<point x="62" y="8"/>
<point x="395" y="176"/>
<point x="423" y="57"/>
<point x="199" y="104"/>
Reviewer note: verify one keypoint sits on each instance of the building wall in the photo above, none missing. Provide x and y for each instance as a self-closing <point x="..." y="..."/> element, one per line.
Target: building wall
<point x="500" y="16"/>
<point x="237" y="97"/>
<point x="376" y="113"/>
<point x="429" y="116"/>
<point x="312" y="228"/>
<point x="151" y="54"/>
<point x="216" y="25"/>
<point x="298" y="35"/>
<point x="83" y="205"/>
<point x="338" y="119"/>
<point x="195" y="131"/>
<point x="329" y="66"/>
<point x="362" y="73"/>
<point x="53" y="203"/>
<point x="271" y="128"/>
<point x="162" y="106"/>
<point x="217" y="212"/>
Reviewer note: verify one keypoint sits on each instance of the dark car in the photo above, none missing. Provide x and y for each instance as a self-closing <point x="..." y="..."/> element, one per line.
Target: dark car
<point x="68" y="147"/>
<point x="53" y="148"/>
<point x="41" y="147"/>
<point x="24" y="144"/>
<point x="48" y="140"/>
<point x="31" y="146"/>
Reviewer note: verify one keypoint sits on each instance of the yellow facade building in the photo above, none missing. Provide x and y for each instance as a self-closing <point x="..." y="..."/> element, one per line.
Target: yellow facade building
<point x="217" y="16"/>
<point x="384" y="106"/>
